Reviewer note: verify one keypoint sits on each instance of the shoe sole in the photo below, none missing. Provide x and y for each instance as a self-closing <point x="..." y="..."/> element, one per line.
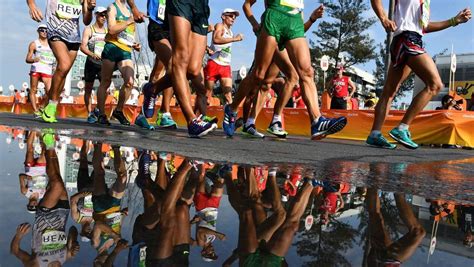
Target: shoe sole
<point x="383" y="147"/>
<point x="332" y="130"/>
<point x="405" y="144"/>
<point x="282" y="136"/>
<point x="252" y="136"/>
<point x="171" y="127"/>
<point x="204" y="133"/>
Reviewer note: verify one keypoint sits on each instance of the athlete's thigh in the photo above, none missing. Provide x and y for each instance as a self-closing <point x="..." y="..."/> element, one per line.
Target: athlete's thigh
<point x="282" y="60"/>
<point x="425" y="68"/>
<point x="226" y="82"/>
<point x="298" y="52"/>
<point x="126" y="69"/>
<point x="197" y="48"/>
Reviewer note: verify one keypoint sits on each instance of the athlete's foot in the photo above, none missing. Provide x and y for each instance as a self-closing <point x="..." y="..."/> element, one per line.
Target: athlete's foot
<point x="144" y="162"/>
<point x="38" y="114"/>
<point x="229" y="121"/>
<point x="120" y="117"/>
<point x="164" y="120"/>
<point x="403" y="137"/>
<point x="252" y="131"/>
<point x="142" y="122"/>
<point x="198" y="128"/>
<point x="49" y="113"/>
<point x="210" y="119"/>
<point x="379" y="141"/>
<point x="148" y="108"/>
<point x="102" y="119"/>
<point x="48" y="137"/>
<point x="276" y="129"/>
<point x="239" y="123"/>
<point x="93" y="115"/>
<point x="327" y="126"/>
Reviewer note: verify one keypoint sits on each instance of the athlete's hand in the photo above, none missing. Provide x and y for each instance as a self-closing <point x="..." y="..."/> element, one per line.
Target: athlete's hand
<point x="137" y="47"/>
<point x="464" y="16"/>
<point x="121" y="245"/>
<point x="210" y="52"/>
<point x="22" y="230"/>
<point x="35" y="13"/>
<point x="37" y="59"/>
<point x="130" y="20"/>
<point x="317" y="13"/>
<point x="88" y="193"/>
<point x="239" y="37"/>
<point x="346" y="98"/>
<point x="138" y="16"/>
<point x="211" y="28"/>
<point x="91" y="4"/>
<point x="389" y="25"/>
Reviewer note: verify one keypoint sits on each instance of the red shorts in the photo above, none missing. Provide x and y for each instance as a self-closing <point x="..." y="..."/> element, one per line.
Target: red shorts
<point x="203" y="200"/>
<point x="35" y="163"/>
<point x="214" y="71"/>
<point x="40" y="75"/>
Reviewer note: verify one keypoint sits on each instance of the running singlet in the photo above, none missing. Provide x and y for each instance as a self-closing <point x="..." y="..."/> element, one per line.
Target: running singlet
<point x="125" y="39"/>
<point x="341" y="87"/>
<point x="62" y="18"/>
<point x="85" y="208"/>
<point x="287" y="6"/>
<point x="209" y="221"/>
<point x="49" y="236"/>
<point x="412" y="15"/>
<point x="223" y="53"/>
<point x="36" y="185"/>
<point x="47" y="59"/>
<point x="96" y="44"/>
<point x="156" y="10"/>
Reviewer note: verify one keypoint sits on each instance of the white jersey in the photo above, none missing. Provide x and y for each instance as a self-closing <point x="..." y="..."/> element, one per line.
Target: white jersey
<point x="222" y="55"/>
<point x="412" y="15"/>
<point x="62" y="19"/>
<point x="46" y="56"/>
<point x="37" y="185"/>
<point x="96" y="43"/>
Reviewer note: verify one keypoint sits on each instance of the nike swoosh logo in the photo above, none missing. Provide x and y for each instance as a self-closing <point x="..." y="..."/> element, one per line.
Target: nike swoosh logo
<point x="205" y="26"/>
<point x="46" y="115"/>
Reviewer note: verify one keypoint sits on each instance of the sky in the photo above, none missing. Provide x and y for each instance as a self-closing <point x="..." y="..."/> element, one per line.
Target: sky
<point x="17" y="30"/>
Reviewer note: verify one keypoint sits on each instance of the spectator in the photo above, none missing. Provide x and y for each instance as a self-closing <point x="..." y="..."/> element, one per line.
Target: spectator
<point x="298" y="98"/>
<point x="340" y="90"/>
<point x="448" y="103"/>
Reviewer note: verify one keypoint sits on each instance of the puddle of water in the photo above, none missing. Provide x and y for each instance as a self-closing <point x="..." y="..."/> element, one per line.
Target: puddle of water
<point x="59" y="192"/>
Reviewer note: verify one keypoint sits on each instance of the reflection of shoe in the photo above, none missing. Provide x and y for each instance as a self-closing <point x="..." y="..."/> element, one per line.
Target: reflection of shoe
<point x="164" y="120"/>
<point x="210" y="119"/>
<point x="379" y="141"/>
<point x="143" y="123"/>
<point x="144" y="162"/>
<point x="252" y="131"/>
<point x="403" y="137"/>
<point x="49" y="113"/>
<point x="102" y="119"/>
<point x="276" y="129"/>
<point x="327" y="126"/>
<point x="148" y="108"/>
<point x="199" y="128"/>
<point x="48" y="138"/>
<point x="120" y="117"/>
<point x="229" y="121"/>
<point x="239" y="123"/>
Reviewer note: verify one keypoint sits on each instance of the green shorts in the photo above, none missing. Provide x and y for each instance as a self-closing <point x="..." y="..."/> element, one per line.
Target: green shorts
<point x="115" y="54"/>
<point x="105" y="202"/>
<point x="283" y="26"/>
<point x="262" y="258"/>
<point x="195" y="11"/>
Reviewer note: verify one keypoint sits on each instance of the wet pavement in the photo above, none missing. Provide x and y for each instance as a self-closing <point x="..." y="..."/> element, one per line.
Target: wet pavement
<point x="89" y="194"/>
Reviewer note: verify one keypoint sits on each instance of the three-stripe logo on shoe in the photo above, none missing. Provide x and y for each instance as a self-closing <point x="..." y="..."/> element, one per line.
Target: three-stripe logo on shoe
<point x="324" y="125"/>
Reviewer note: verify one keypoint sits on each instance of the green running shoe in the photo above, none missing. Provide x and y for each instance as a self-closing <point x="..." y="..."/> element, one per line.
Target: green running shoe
<point x="379" y="141"/>
<point x="403" y="137"/>
<point x="210" y="119"/>
<point x="164" y="120"/>
<point x="276" y="129"/>
<point x="48" y="138"/>
<point x="49" y="113"/>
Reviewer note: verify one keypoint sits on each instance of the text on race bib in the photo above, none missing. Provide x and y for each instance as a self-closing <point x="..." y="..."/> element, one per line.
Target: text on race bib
<point x="53" y="240"/>
<point x="299" y="4"/>
<point x="127" y="37"/>
<point x="99" y="47"/>
<point x="161" y="9"/>
<point x="68" y="9"/>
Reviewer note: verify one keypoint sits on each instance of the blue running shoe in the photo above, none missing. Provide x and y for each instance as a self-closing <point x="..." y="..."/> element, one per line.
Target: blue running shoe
<point x="144" y="174"/>
<point x="164" y="120"/>
<point x="92" y="118"/>
<point x="143" y="123"/>
<point x="198" y="128"/>
<point x="148" y="108"/>
<point x="229" y="121"/>
<point x="326" y="126"/>
<point x="403" y="137"/>
<point x="379" y="141"/>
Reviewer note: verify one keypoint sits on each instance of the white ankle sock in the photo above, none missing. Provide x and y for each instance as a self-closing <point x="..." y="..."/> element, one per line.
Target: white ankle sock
<point x="249" y="122"/>
<point x="403" y="126"/>
<point x="276" y="118"/>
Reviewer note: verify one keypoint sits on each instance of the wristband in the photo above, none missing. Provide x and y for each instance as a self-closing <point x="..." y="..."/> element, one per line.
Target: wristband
<point x="312" y="20"/>
<point x="453" y="22"/>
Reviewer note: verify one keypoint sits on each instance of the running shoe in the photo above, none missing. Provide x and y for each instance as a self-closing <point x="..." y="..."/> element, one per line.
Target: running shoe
<point x="239" y="123"/>
<point x="252" y="131"/>
<point x="49" y="113"/>
<point x="327" y="126"/>
<point x="148" y="108"/>
<point x="48" y="138"/>
<point x="120" y="117"/>
<point x="143" y="123"/>
<point x="102" y="119"/>
<point x="229" y="121"/>
<point x="164" y="120"/>
<point x="37" y="114"/>
<point x="379" y="141"/>
<point x="199" y="128"/>
<point x="92" y="118"/>
<point x="210" y="119"/>
<point x="403" y="137"/>
<point x="276" y="129"/>
<point x="144" y="174"/>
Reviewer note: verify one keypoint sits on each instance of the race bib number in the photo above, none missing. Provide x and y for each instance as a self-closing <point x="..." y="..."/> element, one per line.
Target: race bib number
<point x="87" y="209"/>
<point x="52" y="240"/>
<point x="299" y="4"/>
<point x="99" y="47"/>
<point x="127" y="37"/>
<point x="68" y="9"/>
<point x="47" y="58"/>
<point x="161" y="9"/>
<point x="425" y="13"/>
<point x="114" y="220"/>
<point x="142" y="262"/>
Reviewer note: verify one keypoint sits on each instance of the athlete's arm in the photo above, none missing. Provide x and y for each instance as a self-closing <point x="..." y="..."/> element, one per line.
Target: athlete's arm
<point x="353" y="88"/>
<point x="86" y="35"/>
<point x="462" y="17"/>
<point x="218" y="36"/>
<point x="87" y="8"/>
<point x="112" y="25"/>
<point x="29" y="56"/>
<point x="74" y="210"/>
<point x="317" y="13"/>
<point x="377" y="6"/>
<point x="15" y="249"/>
<point x="23" y="187"/>
<point x="121" y="245"/>
<point x="137" y="15"/>
<point x="35" y="12"/>
<point x="247" y="7"/>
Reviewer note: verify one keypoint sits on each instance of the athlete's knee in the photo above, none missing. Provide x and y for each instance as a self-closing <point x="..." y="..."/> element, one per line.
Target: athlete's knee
<point x="434" y="86"/>
<point x="128" y="83"/>
<point x="418" y="231"/>
<point x="180" y="59"/>
<point x="306" y="72"/>
<point x="258" y="77"/>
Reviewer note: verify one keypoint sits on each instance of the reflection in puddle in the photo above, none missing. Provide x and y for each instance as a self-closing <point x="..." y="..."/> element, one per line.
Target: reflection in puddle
<point x="149" y="208"/>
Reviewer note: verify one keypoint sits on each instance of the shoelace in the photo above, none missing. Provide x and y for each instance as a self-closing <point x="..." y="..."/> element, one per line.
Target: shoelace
<point x="200" y="122"/>
<point x="151" y="104"/>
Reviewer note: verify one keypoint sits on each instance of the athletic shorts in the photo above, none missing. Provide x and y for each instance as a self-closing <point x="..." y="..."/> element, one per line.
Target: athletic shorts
<point x="84" y="180"/>
<point x="62" y="204"/>
<point x="157" y="32"/>
<point x="338" y="103"/>
<point x="40" y="75"/>
<point x="35" y="163"/>
<point x="214" y="71"/>
<point x="283" y="26"/>
<point x="91" y="71"/>
<point x="115" y="54"/>
<point x="203" y="200"/>
<point x="195" y="11"/>
<point x="263" y="257"/>
<point x="104" y="202"/>
<point x="404" y="45"/>
<point x="70" y="46"/>
<point x="179" y="258"/>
